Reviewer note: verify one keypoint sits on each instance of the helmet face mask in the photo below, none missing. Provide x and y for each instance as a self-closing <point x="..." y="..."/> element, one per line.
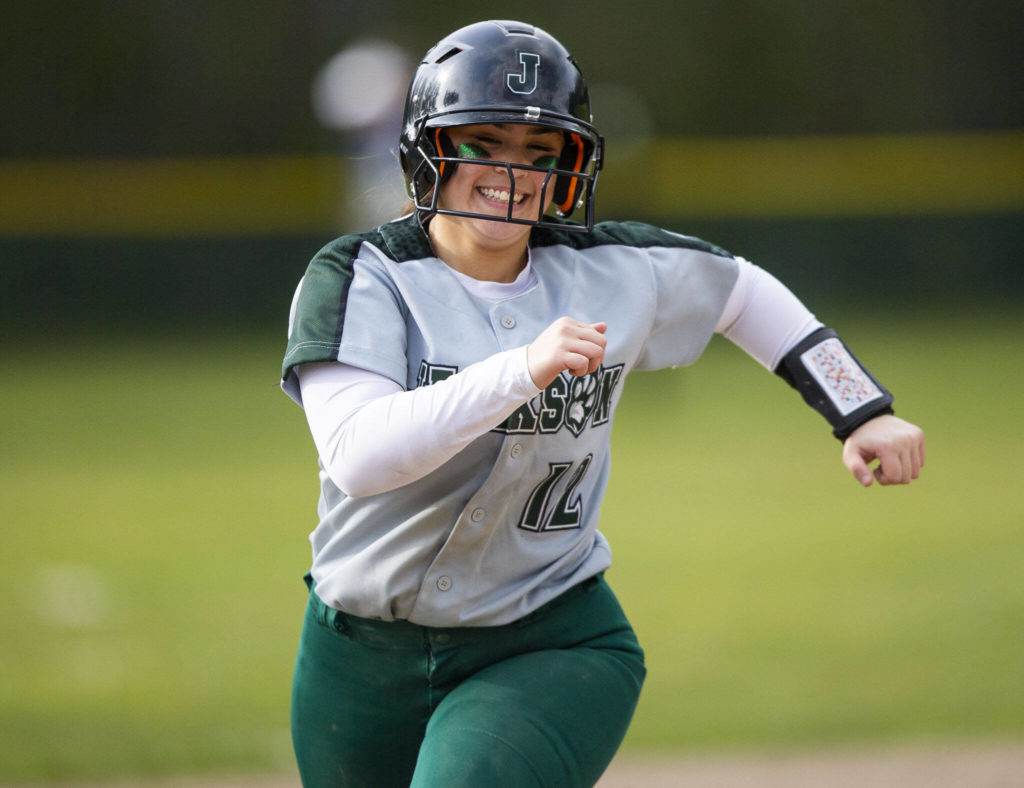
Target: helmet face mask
<point x="500" y="73"/>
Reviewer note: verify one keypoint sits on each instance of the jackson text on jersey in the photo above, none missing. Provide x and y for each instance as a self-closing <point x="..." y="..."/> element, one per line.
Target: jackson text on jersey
<point x="569" y="401"/>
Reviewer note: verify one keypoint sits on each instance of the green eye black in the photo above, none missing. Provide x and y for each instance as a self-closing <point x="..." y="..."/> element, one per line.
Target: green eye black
<point x="546" y="161"/>
<point x="467" y="150"/>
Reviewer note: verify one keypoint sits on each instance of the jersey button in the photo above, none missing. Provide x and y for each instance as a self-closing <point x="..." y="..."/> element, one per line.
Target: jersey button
<point x="516" y="450"/>
<point x="508" y="321"/>
<point x="444" y="583"/>
<point x="478" y="515"/>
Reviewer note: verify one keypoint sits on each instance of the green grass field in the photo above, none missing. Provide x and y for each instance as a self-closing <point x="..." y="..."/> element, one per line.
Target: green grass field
<point x="157" y="493"/>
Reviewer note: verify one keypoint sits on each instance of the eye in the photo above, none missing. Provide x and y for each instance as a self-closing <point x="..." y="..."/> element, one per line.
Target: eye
<point x="470" y="150"/>
<point x="548" y="160"/>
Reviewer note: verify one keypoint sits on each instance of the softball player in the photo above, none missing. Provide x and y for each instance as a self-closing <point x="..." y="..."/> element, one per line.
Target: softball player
<point x="459" y="368"/>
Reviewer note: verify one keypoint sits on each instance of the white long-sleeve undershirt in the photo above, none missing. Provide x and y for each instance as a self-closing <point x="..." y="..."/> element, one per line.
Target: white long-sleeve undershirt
<point x="762" y="316"/>
<point x="374" y="436"/>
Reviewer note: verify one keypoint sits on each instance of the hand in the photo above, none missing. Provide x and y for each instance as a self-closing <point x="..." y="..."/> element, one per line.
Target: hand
<point x="566" y="344"/>
<point x="898" y="445"/>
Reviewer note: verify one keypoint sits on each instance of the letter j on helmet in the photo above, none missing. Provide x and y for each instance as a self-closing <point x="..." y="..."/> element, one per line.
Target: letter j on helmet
<point x="524" y="82"/>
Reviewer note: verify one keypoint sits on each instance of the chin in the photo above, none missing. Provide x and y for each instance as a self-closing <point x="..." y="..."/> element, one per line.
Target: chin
<point x="498" y="230"/>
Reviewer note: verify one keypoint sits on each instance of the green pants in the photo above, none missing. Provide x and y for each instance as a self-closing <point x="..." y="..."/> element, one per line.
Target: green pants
<point x="544" y="701"/>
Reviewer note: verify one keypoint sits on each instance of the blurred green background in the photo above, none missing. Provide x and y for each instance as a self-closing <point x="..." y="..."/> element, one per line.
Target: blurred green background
<point x="167" y="170"/>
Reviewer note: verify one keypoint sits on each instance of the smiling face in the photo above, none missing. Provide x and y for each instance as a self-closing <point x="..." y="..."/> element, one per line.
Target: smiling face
<point x="485" y="188"/>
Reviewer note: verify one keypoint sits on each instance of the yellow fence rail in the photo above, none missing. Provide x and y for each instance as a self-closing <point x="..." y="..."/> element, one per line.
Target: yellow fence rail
<point x="679" y="177"/>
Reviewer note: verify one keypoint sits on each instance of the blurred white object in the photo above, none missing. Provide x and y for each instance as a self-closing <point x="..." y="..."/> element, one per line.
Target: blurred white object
<point x="362" y="86"/>
<point x="360" y="93"/>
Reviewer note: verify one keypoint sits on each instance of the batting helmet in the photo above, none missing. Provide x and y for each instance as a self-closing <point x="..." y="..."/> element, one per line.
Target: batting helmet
<point x="499" y="72"/>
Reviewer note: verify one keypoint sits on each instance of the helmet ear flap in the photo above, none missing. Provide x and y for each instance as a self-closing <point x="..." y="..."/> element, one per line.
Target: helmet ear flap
<point x="444" y="148"/>
<point x="419" y="163"/>
<point x="567" y="189"/>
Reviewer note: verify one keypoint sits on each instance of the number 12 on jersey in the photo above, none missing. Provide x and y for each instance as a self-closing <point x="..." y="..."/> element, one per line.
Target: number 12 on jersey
<point x="539" y="515"/>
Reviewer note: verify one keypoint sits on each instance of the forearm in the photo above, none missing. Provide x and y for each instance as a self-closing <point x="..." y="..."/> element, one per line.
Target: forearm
<point x="373" y="436"/>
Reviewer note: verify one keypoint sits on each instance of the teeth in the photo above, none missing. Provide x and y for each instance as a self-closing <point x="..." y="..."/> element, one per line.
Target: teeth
<point x="500" y="195"/>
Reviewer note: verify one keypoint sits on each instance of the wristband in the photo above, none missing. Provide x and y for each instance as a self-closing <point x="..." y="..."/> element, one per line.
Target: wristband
<point x="833" y="382"/>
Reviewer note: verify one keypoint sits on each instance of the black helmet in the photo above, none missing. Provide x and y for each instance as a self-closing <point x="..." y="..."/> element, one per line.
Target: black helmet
<point x="499" y="72"/>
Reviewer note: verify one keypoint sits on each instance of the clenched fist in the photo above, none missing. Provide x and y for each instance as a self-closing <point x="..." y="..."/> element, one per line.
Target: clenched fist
<point x="566" y="344"/>
<point x="898" y="446"/>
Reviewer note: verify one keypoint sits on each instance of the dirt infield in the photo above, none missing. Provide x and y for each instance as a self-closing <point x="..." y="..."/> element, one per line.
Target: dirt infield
<point x="945" y="766"/>
<point x="988" y="766"/>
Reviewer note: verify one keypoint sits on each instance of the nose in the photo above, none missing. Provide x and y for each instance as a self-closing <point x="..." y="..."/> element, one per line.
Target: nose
<point x="516" y="172"/>
<point x="515" y="154"/>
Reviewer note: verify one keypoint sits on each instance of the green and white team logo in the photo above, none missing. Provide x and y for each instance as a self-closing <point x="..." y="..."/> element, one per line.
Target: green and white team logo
<point x="569" y="402"/>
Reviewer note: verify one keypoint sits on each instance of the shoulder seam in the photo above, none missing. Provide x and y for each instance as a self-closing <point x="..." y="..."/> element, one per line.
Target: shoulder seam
<point x="637" y="235"/>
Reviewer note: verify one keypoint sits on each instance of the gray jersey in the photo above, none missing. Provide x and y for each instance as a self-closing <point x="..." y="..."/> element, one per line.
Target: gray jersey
<point x="511" y="521"/>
